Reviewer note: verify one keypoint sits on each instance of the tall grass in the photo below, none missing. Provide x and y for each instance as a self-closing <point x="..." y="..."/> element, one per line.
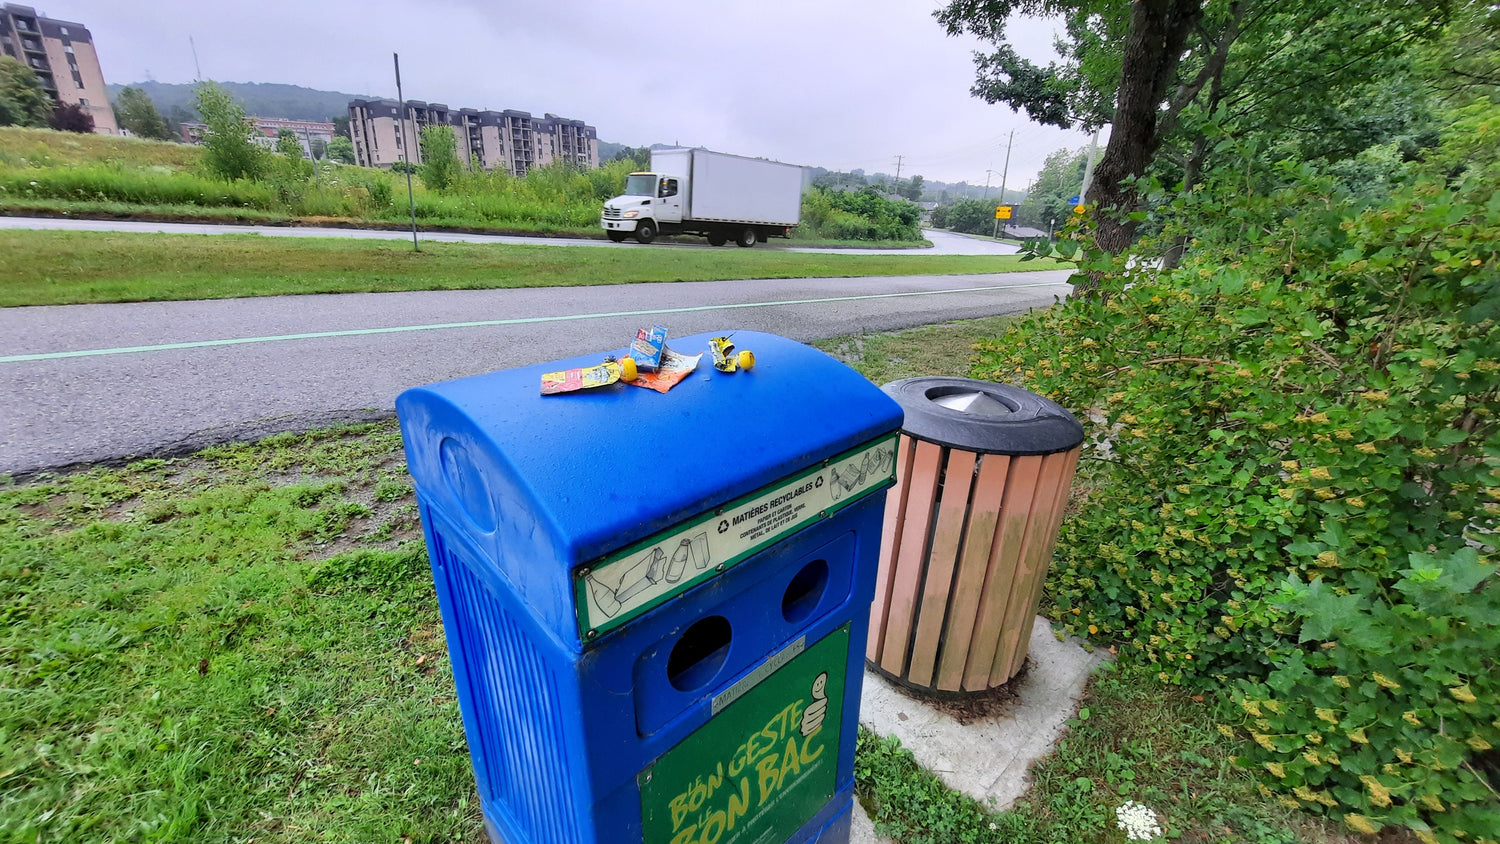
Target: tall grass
<point x="142" y="186"/>
<point x="48" y="148"/>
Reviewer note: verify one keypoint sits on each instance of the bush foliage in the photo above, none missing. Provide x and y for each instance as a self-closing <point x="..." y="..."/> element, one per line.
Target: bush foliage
<point x="1297" y="480"/>
<point x="859" y="215"/>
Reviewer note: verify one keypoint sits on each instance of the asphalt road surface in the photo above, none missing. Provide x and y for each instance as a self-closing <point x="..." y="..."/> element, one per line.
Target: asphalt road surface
<point x="943" y="243"/>
<point x="92" y="383"/>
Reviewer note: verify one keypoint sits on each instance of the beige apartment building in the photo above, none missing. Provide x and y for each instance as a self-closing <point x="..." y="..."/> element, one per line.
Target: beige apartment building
<point x="511" y="140"/>
<point x="62" y="56"/>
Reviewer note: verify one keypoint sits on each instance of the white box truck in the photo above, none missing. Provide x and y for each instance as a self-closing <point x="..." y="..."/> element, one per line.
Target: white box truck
<point x="695" y="191"/>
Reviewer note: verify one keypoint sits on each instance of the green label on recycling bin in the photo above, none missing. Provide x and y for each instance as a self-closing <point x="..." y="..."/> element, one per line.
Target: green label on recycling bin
<point x="763" y="766"/>
<point x="642" y="576"/>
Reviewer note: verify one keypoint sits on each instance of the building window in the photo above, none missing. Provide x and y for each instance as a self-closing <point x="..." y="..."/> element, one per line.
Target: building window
<point x="65" y="30"/>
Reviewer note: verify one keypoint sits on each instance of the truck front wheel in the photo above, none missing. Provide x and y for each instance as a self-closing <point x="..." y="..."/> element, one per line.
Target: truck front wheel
<point x="645" y="232"/>
<point x="717" y="238"/>
<point x="748" y="237"/>
<point x="616" y="236"/>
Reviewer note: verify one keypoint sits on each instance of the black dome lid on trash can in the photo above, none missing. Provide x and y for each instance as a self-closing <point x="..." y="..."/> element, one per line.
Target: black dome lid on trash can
<point x="983" y="417"/>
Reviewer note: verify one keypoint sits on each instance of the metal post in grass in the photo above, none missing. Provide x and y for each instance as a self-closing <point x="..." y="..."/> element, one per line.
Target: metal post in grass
<point x="411" y="204"/>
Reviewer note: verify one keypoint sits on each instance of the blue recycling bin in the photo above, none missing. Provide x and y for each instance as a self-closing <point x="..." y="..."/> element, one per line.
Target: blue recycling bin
<point x="656" y="605"/>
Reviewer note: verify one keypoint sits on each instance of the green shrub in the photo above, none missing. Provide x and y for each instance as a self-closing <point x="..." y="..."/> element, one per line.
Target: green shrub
<point x="1296" y="483"/>
<point x="859" y="215"/>
<point x="440" y="167"/>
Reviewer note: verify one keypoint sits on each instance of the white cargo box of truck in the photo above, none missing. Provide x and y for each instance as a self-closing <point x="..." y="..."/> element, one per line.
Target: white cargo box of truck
<point x="697" y="191"/>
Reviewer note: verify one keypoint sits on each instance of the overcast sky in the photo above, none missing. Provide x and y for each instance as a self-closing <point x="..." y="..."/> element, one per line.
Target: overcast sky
<point x="841" y="84"/>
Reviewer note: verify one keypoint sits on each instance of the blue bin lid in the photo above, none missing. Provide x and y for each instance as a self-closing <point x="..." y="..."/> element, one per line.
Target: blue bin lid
<point x="562" y="480"/>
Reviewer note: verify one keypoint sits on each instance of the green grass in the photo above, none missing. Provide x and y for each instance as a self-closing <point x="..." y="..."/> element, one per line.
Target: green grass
<point x="55" y="268"/>
<point x="245" y="643"/>
<point x="242" y="644"/>
<point x="47" y="148"/>
<point x="166" y="212"/>
<point x="946" y="349"/>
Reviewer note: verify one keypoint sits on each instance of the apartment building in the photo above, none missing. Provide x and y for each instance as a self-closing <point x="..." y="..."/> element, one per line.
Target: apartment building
<point x="62" y="56"/>
<point x="511" y="140"/>
<point x="270" y="128"/>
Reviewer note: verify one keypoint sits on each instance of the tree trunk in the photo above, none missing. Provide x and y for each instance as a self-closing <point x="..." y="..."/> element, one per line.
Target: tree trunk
<point x="1153" y="48"/>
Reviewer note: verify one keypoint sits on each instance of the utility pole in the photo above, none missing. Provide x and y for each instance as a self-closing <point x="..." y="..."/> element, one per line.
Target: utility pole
<point x="1004" y="174"/>
<point x="411" y="203"/>
<point x="196" y="70"/>
<point x="898" y="171"/>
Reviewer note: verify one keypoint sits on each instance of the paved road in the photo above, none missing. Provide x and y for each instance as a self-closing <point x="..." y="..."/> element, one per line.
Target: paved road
<point x="943" y="243"/>
<point x="89" y="383"/>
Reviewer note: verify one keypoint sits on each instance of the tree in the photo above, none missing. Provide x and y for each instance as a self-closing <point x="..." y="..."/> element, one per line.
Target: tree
<point x="440" y="165"/>
<point x="641" y="156"/>
<point x="912" y="190"/>
<point x="230" y="137"/>
<point x="340" y="126"/>
<point x="135" y="112"/>
<point x="319" y="148"/>
<point x="71" y="117"/>
<point x="341" y="149"/>
<point x="288" y="145"/>
<point x="1155" y="69"/>
<point x="175" y="117"/>
<point x="1060" y="179"/>
<point x="23" y="101"/>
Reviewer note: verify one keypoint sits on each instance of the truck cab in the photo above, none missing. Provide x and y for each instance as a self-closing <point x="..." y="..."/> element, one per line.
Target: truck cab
<point x="650" y="200"/>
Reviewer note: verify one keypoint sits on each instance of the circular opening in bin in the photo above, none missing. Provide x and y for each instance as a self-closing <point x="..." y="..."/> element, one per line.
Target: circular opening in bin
<point x="699" y="654"/>
<point x="976" y="402"/>
<point x="805" y="592"/>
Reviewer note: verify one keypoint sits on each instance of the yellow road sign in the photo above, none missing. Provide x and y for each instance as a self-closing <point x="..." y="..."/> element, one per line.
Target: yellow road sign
<point x="1078" y="209"/>
<point x="1003" y="212"/>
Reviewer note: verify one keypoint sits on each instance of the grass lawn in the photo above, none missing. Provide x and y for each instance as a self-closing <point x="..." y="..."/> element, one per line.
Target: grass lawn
<point x="59" y="268"/>
<point x="245" y="644"/>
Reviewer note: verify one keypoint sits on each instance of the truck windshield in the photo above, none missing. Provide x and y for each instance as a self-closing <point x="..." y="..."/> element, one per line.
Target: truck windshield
<point x="640" y="184"/>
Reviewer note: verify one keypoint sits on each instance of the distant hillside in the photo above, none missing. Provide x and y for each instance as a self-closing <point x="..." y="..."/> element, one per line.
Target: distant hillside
<point x="262" y="99"/>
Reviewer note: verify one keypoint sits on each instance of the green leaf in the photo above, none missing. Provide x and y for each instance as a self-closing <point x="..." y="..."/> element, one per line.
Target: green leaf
<point x="1325" y="613"/>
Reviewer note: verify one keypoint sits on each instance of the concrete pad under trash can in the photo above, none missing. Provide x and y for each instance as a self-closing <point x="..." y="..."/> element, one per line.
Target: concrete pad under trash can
<point x="988" y="758"/>
<point x="862" y="829"/>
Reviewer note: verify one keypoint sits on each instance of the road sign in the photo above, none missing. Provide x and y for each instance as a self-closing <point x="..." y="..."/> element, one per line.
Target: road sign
<point x="1075" y="200"/>
<point x="1003" y="212"/>
<point x="1078" y="209"/>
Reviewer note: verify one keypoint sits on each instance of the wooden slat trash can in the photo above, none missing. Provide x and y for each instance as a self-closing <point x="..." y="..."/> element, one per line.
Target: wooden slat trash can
<point x="982" y="476"/>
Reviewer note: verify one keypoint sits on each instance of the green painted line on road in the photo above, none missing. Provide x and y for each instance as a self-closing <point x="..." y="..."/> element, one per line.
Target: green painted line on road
<point x="355" y="332"/>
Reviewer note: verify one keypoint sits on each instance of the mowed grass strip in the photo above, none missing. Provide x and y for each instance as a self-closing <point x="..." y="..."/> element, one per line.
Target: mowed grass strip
<point x="61" y="268"/>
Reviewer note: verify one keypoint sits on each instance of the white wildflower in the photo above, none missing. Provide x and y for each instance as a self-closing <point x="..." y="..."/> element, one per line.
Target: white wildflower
<point x="1138" y="821"/>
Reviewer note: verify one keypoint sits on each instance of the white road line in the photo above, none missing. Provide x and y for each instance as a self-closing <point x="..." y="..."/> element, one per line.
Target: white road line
<point x="354" y="332"/>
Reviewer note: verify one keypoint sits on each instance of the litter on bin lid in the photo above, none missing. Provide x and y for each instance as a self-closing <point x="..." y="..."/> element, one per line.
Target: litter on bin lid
<point x="725" y="357"/>
<point x="587" y="377"/>
<point x="674" y="367"/>
<point x="648" y="347"/>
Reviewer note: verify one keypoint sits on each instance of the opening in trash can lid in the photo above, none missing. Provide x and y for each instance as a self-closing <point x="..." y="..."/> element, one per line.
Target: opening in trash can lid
<point x="983" y="417"/>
